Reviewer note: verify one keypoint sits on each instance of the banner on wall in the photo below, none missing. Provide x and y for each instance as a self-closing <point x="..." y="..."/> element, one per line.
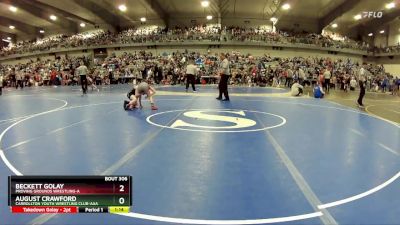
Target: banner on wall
<point x="98" y="52"/>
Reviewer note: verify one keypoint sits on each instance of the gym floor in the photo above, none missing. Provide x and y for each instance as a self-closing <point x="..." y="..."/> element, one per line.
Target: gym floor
<point x="264" y="157"/>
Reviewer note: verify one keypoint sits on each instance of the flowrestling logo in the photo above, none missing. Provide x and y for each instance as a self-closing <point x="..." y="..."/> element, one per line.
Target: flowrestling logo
<point x="216" y="120"/>
<point x="372" y="14"/>
<point x="379" y="14"/>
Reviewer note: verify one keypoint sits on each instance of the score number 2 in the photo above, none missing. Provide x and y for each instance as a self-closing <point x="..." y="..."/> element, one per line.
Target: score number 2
<point x="121" y="189"/>
<point x="121" y="200"/>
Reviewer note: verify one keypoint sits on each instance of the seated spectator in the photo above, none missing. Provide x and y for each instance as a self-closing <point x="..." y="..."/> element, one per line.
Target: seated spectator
<point x="297" y="89"/>
<point x="318" y="91"/>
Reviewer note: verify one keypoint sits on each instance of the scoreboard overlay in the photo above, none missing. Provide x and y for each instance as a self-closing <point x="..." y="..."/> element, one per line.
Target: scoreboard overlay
<point x="70" y="194"/>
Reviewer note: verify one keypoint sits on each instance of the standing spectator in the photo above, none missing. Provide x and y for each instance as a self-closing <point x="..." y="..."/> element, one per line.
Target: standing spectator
<point x="18" y="77"/>
<point x="289" y="77"/>
<point x="396" y="86"/>
<point x="13" y="78"/>
<point x="224" y="74"/>
<point x="327" y="79"/>
<point x="333" y="82"/>
<point x="321" y="79"/>
<point x="53" y="76"/>
<point x="1" y="84"/>
<point x="302" y="76"/>
<point x="353" y="84"/>
<point x="385" y="84"/>
<point x="158" y="74"/>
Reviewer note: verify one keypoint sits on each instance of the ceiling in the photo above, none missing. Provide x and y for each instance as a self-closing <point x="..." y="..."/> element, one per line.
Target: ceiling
<point x="311" y="15"/>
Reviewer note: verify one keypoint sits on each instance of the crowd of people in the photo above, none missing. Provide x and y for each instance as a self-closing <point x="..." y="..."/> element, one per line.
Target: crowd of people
<point x="245" y="69"/>
<point x="60" y="71"/>
<point x="388" y="49"/>
<point x="195" y="33"/>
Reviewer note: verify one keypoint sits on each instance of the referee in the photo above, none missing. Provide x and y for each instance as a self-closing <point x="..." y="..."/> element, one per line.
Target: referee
<point x="225" y="74"/>
<point x="82" y="71"/>
<point x="191" y="71"/>
<point x="361" y="83"/>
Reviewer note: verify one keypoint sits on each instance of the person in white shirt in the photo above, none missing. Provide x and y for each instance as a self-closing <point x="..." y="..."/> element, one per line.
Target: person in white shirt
<point x="225" y="74"/>
<point x="302" y="75"/>
<point x="327" y="76"/>
<point x="19" y="77"/>
<point x="82" y="71"/>
<point x="361" y="83"/>
<point x="191" y="72"/>
<point x="362" y="71"/>
<point x="183" y="60"/>
<point x="1" y="84"/>
<point x="289" y="77"/>
<point x="296" y="89"/>
<point x="353" y="84"/>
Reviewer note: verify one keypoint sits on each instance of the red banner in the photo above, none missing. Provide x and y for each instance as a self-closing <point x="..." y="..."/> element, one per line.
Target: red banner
<point x="43" y="209"/>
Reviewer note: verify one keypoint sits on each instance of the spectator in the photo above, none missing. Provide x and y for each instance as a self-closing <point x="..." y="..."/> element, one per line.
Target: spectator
<point x="18" y="77"/>
<point x="296" y="89"/>
<point x="353" y="84"/>
<point x="327" y="79"/>
<point x="318" y="91"/>
<point x="1" y="84"/>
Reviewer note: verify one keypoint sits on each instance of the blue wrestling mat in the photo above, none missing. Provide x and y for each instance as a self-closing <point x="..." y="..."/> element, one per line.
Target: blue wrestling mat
<point x="254" y="160"/>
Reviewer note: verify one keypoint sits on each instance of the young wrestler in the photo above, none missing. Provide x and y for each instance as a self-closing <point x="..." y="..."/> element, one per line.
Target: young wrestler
<point x="131" y="104"/>
<point x="145" y="89"/>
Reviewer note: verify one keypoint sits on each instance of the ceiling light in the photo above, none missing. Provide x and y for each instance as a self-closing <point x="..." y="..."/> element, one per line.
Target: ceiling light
<point x="12" y="8"/>
<point x="273" y="19"/>
<point x="143" y="19"/>
<point x="209" y="17"/>
<point x="8" y="38"/>
<point x="357" y="17"/>
<point x="205" y="4"/>
<point x="41" y="31"/>
<point x="122" y="8"/>
<point x="82" y="25"/>
<point x="370" y="34"/>
<point x="11" y="27"/>
<point x="334" y="25"/>
<point x="382" y="31"/>
<point x="53" y="17"/>
<point x="390" y="5"/>
<point x="286" y="6"/>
